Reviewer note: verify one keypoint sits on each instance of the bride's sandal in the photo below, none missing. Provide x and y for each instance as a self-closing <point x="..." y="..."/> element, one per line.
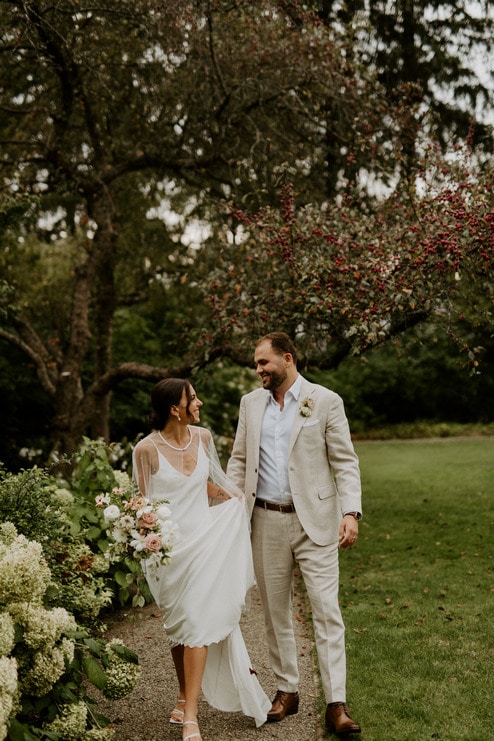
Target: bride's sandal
<point x="177" y="715"/>
<point x="192" y="735"/>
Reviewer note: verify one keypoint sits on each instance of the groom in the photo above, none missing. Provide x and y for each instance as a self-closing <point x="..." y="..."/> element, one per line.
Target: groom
<point x="294" y="459"/>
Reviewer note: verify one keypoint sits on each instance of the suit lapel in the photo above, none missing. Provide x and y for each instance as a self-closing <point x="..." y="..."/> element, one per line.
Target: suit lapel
<point x="256" y="414"/>
<point x="306" y="389"/>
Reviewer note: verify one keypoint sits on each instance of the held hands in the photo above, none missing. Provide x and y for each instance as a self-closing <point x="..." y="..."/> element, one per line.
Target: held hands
<point x="348" y="533"/>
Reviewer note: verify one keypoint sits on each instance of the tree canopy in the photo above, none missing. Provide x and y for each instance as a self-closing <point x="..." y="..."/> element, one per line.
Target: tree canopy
<point x="344" y="280"/>
<point x="111" y="114"/>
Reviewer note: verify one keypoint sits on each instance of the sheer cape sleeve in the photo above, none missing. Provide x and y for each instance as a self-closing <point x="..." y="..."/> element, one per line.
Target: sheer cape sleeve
<point x="144" y="464"/>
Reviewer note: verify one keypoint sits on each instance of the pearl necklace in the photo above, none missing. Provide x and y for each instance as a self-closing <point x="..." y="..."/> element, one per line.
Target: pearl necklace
<point x="173" y="447"/>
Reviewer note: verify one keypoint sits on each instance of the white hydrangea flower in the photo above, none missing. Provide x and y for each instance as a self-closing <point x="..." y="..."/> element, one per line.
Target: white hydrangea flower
<point x="42" y="627"/>
<point x="24" y="574"/>
<point x="121" y="675"/>
<point x="63" y="497"/>
<point x="100" y="564"/>
<point x="9" y="695"/>
<point x="47" y="668"/>
<point x="70" y="723"/>
<point x="121" y="680"/>
<point x="99" y="734"/>
<point x="7" y="634"/>
<point x="8" y="533"/>
<point x="122" y="479"/>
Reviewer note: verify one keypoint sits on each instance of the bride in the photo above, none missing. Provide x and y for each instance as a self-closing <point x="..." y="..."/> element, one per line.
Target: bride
<point x="201" y="592"/>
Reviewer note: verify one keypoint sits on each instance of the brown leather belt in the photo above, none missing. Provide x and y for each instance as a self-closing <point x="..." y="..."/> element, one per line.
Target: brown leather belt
<point x="275" y="507"/>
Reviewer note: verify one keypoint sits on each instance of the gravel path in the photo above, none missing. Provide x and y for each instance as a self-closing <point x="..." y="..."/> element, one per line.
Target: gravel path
<point x="143" y="715"/>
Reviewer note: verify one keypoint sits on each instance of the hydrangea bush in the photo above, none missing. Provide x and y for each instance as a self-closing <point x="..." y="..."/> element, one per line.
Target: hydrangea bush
<point x="46" y="658"/>
<point x="55" y="580"/>
<point x="43" y="510"/>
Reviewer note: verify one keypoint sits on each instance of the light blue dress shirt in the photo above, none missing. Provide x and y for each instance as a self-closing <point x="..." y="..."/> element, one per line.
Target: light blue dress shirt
<point x="273" y="484"/>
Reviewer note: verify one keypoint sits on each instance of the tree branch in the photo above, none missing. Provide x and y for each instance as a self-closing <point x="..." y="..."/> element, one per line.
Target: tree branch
<point x="108" y="381"/>
<point x="36" y="357"/>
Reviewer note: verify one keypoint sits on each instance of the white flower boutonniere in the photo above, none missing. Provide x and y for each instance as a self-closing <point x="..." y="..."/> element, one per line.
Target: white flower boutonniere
<point x="306" y="407"/>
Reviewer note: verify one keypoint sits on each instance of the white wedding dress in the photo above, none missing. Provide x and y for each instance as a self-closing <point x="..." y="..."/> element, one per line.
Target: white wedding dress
<point x="202" y="591"/>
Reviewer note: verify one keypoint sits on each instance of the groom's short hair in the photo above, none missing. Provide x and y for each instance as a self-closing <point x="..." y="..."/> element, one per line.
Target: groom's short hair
<point x="281" y="344"/>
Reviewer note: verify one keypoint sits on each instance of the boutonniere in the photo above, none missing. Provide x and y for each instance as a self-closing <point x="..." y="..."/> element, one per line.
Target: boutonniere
<point x="306" y="407"/>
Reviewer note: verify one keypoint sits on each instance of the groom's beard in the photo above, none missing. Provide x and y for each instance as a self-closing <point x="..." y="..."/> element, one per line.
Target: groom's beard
<point x="275" y="380"/>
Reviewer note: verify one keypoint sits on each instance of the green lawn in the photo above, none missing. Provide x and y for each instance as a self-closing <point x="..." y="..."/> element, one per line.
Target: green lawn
<point x="417" y="592"/>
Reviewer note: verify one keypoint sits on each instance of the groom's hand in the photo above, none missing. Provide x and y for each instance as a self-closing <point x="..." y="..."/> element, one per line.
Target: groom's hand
<point x="348" y="533"/>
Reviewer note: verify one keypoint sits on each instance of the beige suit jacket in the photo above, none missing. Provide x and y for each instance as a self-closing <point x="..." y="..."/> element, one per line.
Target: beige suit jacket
<point x="323" y="467"/>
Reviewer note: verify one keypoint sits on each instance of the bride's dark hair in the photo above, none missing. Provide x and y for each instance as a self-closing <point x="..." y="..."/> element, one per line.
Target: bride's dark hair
<point x="166" y="394"/>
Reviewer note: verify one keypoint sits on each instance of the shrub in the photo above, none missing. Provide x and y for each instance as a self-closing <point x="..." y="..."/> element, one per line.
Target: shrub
<point x="46" y="658"/>
<point x="94" y="475"/>
<point x="43" y="510"/>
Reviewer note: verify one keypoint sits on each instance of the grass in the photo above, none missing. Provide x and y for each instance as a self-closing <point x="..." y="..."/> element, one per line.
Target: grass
<point x="417" y="592"/>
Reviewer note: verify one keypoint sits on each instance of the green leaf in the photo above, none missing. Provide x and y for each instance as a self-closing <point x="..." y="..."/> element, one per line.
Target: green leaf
<point x="100" y="719"/>
<point x="21" y="732"/>
<point x="121" y="578"/>
<point x="93" y="533"/>
<point x="94" y="646"/>
<point x="94" y="672"/>
<point x="125" y="653"/>
<point x="123" y="596"/>
<point x="138" y="600"/>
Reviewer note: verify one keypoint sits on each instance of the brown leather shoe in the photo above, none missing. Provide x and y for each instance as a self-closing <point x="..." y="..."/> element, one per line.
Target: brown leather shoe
<point x="284" y="703"/>
<point x="338" y="719"/>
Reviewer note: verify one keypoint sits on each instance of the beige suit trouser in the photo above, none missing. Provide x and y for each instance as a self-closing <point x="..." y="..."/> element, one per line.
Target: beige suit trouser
<point x="279" y="543"/>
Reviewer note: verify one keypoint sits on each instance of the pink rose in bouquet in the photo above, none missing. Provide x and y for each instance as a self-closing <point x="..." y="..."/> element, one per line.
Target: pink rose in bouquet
<point x="147" y="520"/>
<point x="153" y="543"/>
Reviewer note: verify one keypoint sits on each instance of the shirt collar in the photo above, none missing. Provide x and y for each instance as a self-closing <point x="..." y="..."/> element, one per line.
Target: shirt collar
<point x="294" y="389"/>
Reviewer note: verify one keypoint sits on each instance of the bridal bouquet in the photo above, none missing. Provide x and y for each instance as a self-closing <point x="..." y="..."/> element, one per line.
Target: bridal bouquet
<point x="137" y="527"/>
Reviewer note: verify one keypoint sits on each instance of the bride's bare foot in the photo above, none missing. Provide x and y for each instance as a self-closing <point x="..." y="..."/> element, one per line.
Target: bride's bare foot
<point x="191" y="725"/>
<point x="177" y="714"/>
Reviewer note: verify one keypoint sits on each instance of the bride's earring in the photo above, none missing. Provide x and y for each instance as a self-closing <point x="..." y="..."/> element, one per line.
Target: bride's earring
<point x="179" y="417"/>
